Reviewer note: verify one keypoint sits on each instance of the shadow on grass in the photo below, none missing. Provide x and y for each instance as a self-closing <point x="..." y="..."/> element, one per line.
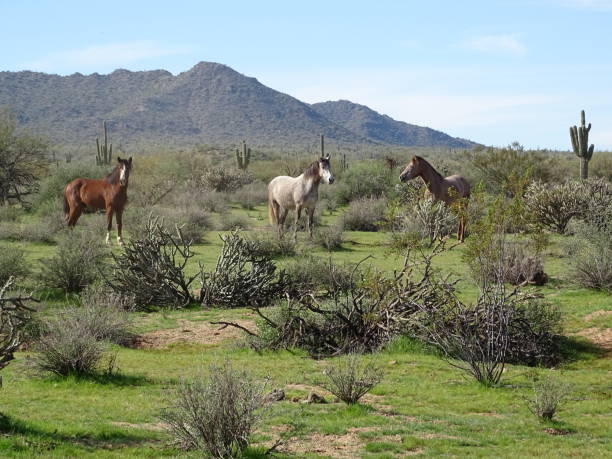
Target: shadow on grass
<point x="115" y="379"/>
<point x="575" y="348"/>
<point x="52" y="438"/>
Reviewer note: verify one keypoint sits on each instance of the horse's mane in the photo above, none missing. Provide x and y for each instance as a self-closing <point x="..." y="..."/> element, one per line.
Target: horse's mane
<point x="312" y="170"/>
<point x="113" y="177"/>
<point x="433" y="169"/>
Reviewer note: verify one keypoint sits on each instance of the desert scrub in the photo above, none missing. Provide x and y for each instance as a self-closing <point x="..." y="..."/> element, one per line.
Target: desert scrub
<point x="329" y="237"/>
<point x="215" y="413"/>
<point x="548" y="395"/>
<point x="77" y="263"/>
<point x="364" y="214"/>
<point x="350" y="378"/>
<point x="12" y="264"/>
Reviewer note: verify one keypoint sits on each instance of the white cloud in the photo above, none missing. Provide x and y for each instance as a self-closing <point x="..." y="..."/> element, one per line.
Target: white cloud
<point x="101" y="57"/>
<point x="495" y="44"/>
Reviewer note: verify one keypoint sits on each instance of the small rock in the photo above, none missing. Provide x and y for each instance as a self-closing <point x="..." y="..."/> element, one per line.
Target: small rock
<point x="314" y="398"/>
<point x="275" y="396"/>
<point x="295" y="399"/>
<point x="392" y="362"/>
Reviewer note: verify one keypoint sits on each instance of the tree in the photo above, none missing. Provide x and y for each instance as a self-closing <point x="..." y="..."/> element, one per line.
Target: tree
<point x="23" y="158"/>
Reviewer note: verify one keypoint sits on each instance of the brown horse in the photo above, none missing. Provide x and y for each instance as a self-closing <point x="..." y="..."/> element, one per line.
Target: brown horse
<point x="447" y="190"/>
<point x="109" y="194"/>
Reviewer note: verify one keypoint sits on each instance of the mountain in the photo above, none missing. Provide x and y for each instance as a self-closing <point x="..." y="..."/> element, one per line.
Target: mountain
<point x="210" y="103"/>
<point x="371" y="125"/>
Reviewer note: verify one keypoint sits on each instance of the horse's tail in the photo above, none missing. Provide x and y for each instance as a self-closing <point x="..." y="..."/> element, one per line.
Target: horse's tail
<point x="66" y="203"/>
<point x="272" y="210"/>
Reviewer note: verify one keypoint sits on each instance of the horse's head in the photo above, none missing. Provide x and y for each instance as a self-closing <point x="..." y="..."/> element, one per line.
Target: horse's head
<point x="325" y="172"/>
<point x="412" y="170"/>
<point x="124" y="171"/>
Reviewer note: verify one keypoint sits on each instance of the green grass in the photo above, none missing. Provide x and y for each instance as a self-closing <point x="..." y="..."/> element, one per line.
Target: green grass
<point x="423" y="405"/>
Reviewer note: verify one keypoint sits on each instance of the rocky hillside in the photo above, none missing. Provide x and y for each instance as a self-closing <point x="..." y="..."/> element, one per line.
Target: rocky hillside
<point x="210" y="103"/>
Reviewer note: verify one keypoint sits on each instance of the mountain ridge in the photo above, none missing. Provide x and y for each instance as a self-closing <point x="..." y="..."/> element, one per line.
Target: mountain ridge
<point x="210" y="103"/>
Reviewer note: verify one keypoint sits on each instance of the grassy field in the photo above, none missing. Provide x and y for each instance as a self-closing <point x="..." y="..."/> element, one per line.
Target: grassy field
<point x="423" y="406"/>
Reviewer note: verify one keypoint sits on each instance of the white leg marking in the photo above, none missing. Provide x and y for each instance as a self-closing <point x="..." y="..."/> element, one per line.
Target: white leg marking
<point x="108" y="240"/>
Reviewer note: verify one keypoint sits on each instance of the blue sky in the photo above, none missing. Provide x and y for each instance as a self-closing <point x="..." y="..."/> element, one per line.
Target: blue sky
<point x="491" y="71"/>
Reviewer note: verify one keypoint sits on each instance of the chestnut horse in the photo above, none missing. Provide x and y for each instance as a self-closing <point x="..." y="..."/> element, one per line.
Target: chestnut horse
<point x="109" y="194"/>
<point x="447" y="190"/>
<point x="297" y="193"/>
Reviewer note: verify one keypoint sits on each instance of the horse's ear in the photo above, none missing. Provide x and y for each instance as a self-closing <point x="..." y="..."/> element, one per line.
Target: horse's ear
<point x="130" y="160"/>
<point x="327" y="157"/>
<point x="414" y="159"/>
<point x="118" y="159"/>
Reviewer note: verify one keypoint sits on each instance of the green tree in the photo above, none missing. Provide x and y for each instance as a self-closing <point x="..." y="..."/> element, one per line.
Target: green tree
<point x="23" y="159"/>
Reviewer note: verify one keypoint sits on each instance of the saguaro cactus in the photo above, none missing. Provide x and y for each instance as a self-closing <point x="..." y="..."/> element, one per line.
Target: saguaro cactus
<point x="105" y="152"/>
<point x="580" y="142"/>
<point x="243" y="157"/>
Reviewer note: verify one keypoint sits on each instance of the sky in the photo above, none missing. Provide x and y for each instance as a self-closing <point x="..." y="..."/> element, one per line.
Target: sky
<point x="491" y="71"/>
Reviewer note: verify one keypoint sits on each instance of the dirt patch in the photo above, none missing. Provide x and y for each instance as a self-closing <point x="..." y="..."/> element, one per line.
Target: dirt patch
<point x="429" y="436"/>
<point x="340" y="446"/>
<point x="602" y="337"/>
<point x="596" y="314"/>
<point x="145" y="425"/>
<point x="553" y="431"/>
<point x="190" y="333"/>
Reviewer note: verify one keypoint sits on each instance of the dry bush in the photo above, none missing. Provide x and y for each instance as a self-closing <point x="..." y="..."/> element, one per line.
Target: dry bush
<point x="216" y="413"/>
<point x="213" y="201"/>
<point x="548" y="394"/>
<point x="68" y="346"/>
<point x="555" y="204"/>
<point x="77" y="263"/>
<point x="268" y="244"/>
<point x="364" y="214"/>
<point x="14" y="316"/>
<point x="242" y="277"/>
<point x="106" y="315"/>
<point x="350" y="378"/>
<point x="10" y="213"/>
<point x="363" y="318"/>
<point x="12" y="264"/>
<point x="320" y="276"/>
<point x="329" y="237"/>
<point x="424" y="220"/>
<point x="151" y="269"/>
<point x="192" y="221"/>
<point x="230" y="222"/>
<point x="222" y="179"/>
<point x="591" y="257"/>
<point x="520" y="264"/>
<point x="250" y="195"/>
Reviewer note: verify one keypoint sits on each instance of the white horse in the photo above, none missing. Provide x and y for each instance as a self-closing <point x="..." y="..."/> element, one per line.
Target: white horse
<point x="297" y="193"/>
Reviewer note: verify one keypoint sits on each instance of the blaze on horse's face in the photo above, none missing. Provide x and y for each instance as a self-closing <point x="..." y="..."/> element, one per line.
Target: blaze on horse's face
<point x="325" y="170"/>
<point x="124" y="173"/>
<point x="411" y="170"/>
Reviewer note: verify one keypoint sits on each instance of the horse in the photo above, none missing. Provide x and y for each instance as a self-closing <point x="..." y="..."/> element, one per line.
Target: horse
<point x="448" y="190"/>
<point x="109" y="193"/>
<point x="302" y="192"/>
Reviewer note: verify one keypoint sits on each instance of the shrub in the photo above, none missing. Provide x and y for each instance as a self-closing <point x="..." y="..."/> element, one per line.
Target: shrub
<point x="424" y="220"/>
<point x="213" y="201"/>
<point x="105" y="314"/>
<point x="12" y="264"/>
<point x="14" y="316"/>
<point x="349" y="379"/>
<point x="68" y="346"/>
<point x="554" y="205"/>
<point x="77" y="263"/>
<point x="192" y="220"/>
<point x="10" y="213"/>
<point x="268" y="244"/>
<point x="517" y="264"/>
<point x="151" y="269"/>
<point x="364" y="214"/>
<point x="222" y="179"/>
<point x="591" y="264"/>
<point x="230" y="222"/>
<point x="241" y="277"/>
<point x="217" y="413"/>
<point x="548" y="394"/>
<point x="365" y="180"/>
<point x="250" y="195"/>
<point x="315" y="274"/>
<point x="329" y="237"/>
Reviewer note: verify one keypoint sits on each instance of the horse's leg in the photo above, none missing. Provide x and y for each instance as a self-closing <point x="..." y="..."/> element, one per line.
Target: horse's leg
<point x="75" y="213"/>
<point x="310" y="219"/>
<point x="282" y="215"/>
<point x="119" y="226"/>
<point x="298" y="214"/>
<point x="109" y="226"/>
